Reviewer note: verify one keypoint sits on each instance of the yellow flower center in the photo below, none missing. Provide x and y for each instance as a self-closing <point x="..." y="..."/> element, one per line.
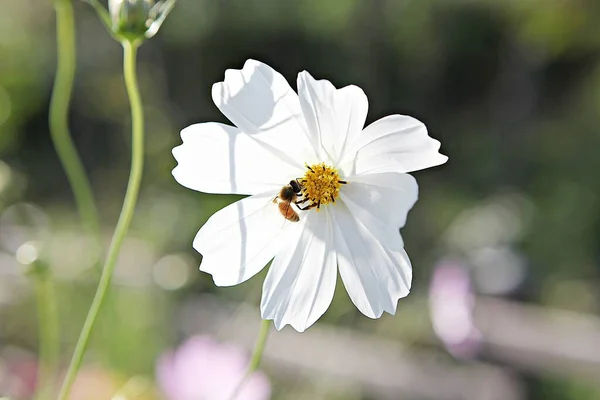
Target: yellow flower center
<point x="320" y="185"/>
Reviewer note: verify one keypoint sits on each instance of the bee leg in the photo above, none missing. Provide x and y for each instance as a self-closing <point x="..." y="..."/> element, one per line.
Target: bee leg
<point x="308" y="207"/>
<point x="301" y="200"/>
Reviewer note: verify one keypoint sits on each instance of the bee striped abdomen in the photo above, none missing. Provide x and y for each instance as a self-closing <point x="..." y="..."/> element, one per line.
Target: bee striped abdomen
<point x="288" y="212"/>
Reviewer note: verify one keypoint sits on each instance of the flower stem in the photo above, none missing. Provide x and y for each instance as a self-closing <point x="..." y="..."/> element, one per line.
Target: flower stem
<point x="59" y="114"/>
<point x="133" y="186"/>
<point x="259" y="348"/>
<point x="48" y="331"/>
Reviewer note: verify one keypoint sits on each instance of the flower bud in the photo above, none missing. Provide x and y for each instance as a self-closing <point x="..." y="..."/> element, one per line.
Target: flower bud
<point x="137" y="19"/>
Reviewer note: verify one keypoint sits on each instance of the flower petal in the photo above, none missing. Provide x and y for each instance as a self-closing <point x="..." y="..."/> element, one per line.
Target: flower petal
<point x="396" y="143"/>
<point x="335" y="117"/>
<point x="375" y="277"/>
<point x="257" y="387"/>
<point x="259" y="101"/>
<point x="239" y="240"/>
<point x="301" y="281"/>
<point x="166" y="375"/>
<point x="217" y="158"/>
<point x="381" y="203"/>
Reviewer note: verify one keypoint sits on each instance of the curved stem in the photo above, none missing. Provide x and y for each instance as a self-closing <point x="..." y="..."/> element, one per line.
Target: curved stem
<point x="48" y="331"/>
<point x="259" y="348"/>
<point x="59" y="114"/>
<point x="133" y="186"/>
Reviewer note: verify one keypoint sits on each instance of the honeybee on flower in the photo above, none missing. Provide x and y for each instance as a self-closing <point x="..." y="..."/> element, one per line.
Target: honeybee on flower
<point x="351" y="192"/>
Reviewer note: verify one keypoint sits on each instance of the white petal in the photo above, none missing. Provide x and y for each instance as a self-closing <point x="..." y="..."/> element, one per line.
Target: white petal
<point x="381" y="203"/>
<point x="335" y="117"/>
<point x="239" y="240"/>
<point x="375" y="277"/>
<point x="217" y="158"/>
<point x="396" y="143"/>
<point x="300" y="284"/>
<point x="259" y="101"/>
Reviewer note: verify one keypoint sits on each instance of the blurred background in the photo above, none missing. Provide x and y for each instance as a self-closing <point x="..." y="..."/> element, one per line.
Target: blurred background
<point x="504" y="241"/>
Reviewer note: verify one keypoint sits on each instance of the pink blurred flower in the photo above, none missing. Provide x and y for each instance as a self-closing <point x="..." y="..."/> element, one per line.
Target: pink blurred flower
<point x="451" y="305"/>
<point x="18" y="370"/>
<point x="202" y="368"/>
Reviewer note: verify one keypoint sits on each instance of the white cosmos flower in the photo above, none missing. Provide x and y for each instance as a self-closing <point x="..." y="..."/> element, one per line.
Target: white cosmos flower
<point x="282" y="136"/>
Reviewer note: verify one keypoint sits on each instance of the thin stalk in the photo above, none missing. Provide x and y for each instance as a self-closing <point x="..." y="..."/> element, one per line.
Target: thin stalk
<point x="59" y="118"/>
<point x="259" y="348"/>
<point x="133" y="186"/>
<point x="48" y="331"/>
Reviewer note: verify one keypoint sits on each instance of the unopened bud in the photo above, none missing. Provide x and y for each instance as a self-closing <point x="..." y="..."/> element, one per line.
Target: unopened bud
<point x="138" y="19"/>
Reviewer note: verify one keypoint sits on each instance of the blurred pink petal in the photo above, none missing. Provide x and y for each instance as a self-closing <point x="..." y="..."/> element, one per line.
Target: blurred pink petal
<point x="451" y="305"/>
<point x="203" y="368"/>
<point x="18" y="371"/>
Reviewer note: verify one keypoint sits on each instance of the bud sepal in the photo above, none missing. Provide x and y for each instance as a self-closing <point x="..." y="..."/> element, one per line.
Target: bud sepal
<point x="133" y="20"/>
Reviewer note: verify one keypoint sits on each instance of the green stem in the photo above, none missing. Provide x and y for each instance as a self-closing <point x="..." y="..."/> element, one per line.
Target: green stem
<point x="133" y="186"/>
<point x="48" y="331"/>
<point x="259" y="348"/>
<point x="59" y="115"/>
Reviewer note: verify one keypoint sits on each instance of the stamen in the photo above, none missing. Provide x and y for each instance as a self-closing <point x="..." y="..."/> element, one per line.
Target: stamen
<point x="320" y="185"/>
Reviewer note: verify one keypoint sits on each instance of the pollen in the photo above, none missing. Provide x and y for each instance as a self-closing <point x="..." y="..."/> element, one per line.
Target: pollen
<point x="320" y="185"/>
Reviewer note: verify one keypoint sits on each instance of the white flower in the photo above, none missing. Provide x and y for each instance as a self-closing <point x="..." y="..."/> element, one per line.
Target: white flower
<point x="359" y="182"/>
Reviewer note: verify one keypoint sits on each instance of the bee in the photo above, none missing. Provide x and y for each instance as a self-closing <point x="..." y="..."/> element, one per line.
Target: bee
<point x="289" y="194"/>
